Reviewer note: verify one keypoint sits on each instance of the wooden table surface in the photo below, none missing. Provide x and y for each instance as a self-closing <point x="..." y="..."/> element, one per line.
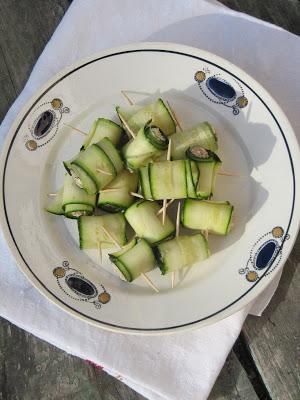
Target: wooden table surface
<point x="264" y="363"/>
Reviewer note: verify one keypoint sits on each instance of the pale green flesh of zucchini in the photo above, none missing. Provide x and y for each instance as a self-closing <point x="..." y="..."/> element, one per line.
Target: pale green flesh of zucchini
<point x="168" y="180"/>
<point x="77" y="210"/>
<point x="137" y="260"/>
<point x="191" y="191"/>
<point x="202" y="134"/>
<point x="72" y="194"/>
<point x="207" y="215"/>
<point x="143" y="218"/>
<point x="56" y="204"/>
<point x="139" y="151"/>
<point x="145" y="182"/>
<point x="91" y="232"/>
<point x="127" y="247"/>
<point x="93" y="160"/>
<point x="157" y="112"/>
<point x="112" y="154"/>
<point x="120" y="196"/>
<point x="102" y="128"/>
<point x="181" y="252"/>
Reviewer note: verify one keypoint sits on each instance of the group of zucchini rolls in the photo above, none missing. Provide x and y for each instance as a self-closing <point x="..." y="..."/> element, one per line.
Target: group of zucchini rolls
<point x="109" y="175"/>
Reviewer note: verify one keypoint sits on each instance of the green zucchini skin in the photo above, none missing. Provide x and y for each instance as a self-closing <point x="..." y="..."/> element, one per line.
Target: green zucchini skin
<point x="120" y="198"/>
<point x="91" y="232"/>
<point x="180" y="252"/>
<point x="202" y="134"/>
<point x="213" y="216"/>
<point x="143" y="218"/>
<point x="102" y="128"/>
<point x="135" y="260"/>
<point x="168" y="180"/>
<point x="207" y="156"/>
<point x="191" y="187"/>
<point x="136" y="117"/>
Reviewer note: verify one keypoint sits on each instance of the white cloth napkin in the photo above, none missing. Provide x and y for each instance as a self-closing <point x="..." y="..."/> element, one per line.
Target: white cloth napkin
<point x="185" y="365"/>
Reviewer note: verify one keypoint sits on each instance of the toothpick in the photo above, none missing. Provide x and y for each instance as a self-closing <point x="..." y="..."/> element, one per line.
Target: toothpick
<point x="109" y="190"/>
<point x="127" y="127"/>
<point x="101" y="171"/>
<point x="167" y="205"/>
<point x="136" y="195"/>
<point x="150" y="283"/>
<point x="127" y="97"/>
<point x="178" y="220"/>
<point x="52" y="194"/>
<point x="75" y="129"/>
<point x="99" y="250"/>
<point x="229" y="174"/>
<point x="111" y="237"/>
<point x="169" y="150"/>
<point x="174" y="117"/>
<point x="164" y="207"/>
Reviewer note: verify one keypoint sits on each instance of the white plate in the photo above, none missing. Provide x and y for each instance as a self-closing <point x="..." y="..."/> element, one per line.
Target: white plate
<point x="256" y="141"/>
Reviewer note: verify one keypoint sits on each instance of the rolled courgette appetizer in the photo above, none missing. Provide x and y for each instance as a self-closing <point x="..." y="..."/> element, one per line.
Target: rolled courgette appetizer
<point x="95" y="167"/>
<point x="202" y="134"/>
<point x="75" y="201"/>
<point x="135" y="118"/>
<point x="213" y="216"/>
<point x="91" y="231"/>
<point x="168" y="180"/>
<point x="135" y="259"/>
<point x="102" y="128"/>
<point x="116" y="196"/>
<point x="143" y="218"/>
<point x="208" y="164"/>
<point x="180" y="252"/>
<point x="148" y="144"/>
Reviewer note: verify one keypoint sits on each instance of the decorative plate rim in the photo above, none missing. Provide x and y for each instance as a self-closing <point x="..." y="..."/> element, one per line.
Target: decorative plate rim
<point x="293" y="225"/>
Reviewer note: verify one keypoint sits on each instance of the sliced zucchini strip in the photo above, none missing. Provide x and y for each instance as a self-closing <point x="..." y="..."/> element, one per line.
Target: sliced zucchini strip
<point x="72" y="194"/>
<point x="145" y="182"/>
<point x="136" y="260"/>
<point x="143" y="218"/>
<point x="56" y="204"/>
<point x="202" y="134"/>
<point x="168" y="180"/>
<point x="207" y="215"/>
<point x="91" y="231"/>
<point x="148" y="144"/>
<point x="157" y="112"/>
<point x="102" y="128"/>
<point x="77" y="210"/>
<point x="116" y="195"/>
<point x="180" y="252"/>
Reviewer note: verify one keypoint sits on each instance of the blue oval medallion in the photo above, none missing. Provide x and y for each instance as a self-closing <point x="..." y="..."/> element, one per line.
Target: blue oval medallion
<point x="81" y="286"/>
<point x="221" y="89"/>
<point x="43" y="124"/>
<point x="265" y="254"/>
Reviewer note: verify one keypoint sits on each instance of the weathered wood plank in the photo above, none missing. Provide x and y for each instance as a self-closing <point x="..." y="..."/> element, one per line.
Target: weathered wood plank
<point x="233" y="382"/>
<point x="33" y="369"/>
<point x="274" y="338"/>
<point x="8" y="92"/>
<point x="25" y="28"/>
<point x="284" y="13"/>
